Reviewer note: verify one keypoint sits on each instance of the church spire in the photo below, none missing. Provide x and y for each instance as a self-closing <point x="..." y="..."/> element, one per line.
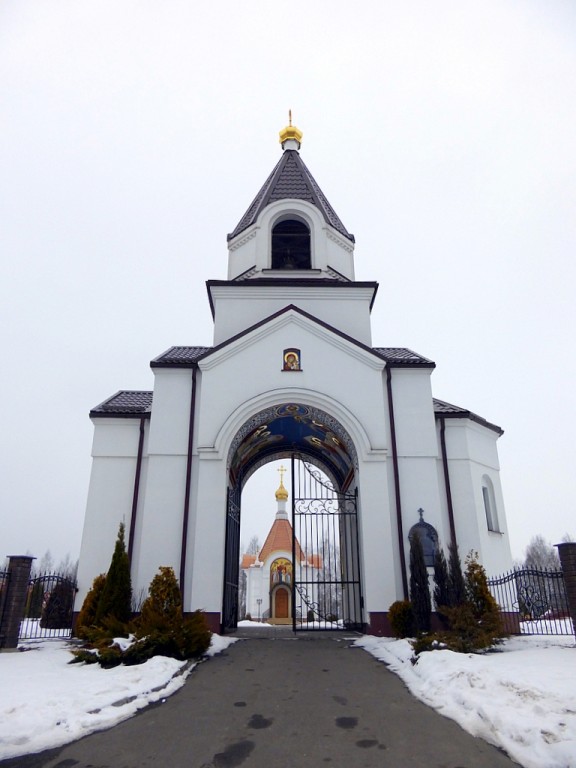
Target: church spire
<point x="290" y="180"/>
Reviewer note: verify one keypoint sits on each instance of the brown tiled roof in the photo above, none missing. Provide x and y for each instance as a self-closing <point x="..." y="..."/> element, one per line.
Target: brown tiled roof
<point x="125" y="403"/>
<point x="315" y="561"/>
<point x="442" y="409"/>
<point x="247" y="561"/>
<point x="280" y="538"/>
<point x="290" y="179"/>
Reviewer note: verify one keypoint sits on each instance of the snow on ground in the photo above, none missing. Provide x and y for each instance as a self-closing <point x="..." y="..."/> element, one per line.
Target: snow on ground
<point x="521" y="698"/>
<point x="47" y="702"/>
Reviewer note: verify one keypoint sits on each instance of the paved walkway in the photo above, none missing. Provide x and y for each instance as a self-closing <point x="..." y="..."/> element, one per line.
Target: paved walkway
<point x="287" y="701"/>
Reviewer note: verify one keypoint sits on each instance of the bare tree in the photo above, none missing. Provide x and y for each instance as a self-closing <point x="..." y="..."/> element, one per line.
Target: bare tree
<point x="540" y="554"/>
<point x="253" y="546"/>
<point x="68" y="567"/>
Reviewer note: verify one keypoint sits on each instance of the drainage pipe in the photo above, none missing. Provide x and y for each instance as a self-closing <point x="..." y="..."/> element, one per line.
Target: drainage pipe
<point x="188" y="484"/>
<point x="136" y="491"/>
<point x="396" y="481"/>
<point x="447" y="479"/>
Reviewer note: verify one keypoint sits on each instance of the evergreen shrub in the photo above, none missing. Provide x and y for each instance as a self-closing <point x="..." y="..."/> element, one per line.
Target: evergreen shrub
<point x="34" y="601"/>
<point x="116" y="597"/>
<point x="160" y="630"/>
<point x="475" y="623"/>
<point x="87" y="616"/>
<point x="401" y="618"/>
<point x="419" y="587"/>
<point x="57" y="613"/>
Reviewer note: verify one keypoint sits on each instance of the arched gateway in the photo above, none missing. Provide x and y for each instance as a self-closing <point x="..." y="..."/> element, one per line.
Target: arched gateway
<point x="325" y="584"/>
<point x="292" y="373"/>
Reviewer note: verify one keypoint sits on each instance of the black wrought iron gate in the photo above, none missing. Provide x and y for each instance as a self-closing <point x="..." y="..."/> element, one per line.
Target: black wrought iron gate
<point x="232" y="563"/>
<point x="326" y="590"/>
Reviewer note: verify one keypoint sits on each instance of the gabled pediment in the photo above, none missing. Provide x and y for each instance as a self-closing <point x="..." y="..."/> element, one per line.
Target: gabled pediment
<point x="297" y="318"/>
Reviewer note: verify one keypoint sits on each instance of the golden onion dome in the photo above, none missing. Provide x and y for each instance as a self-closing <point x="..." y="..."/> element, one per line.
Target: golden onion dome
<point x="281" y="493"/>
<point x="291" y="132"/>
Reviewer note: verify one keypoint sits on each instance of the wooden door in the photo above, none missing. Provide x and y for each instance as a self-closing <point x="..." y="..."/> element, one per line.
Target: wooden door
<point x="281" y="604"/>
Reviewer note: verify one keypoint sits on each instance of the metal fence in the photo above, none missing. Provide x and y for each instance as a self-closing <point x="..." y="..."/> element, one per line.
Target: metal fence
<point x="533" y="602"/>
<point x="4" y="576"/>
<point x="49" y="607"/>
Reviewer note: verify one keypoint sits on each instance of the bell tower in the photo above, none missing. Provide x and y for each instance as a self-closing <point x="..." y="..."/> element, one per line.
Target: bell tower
<point x="291" y="248"/>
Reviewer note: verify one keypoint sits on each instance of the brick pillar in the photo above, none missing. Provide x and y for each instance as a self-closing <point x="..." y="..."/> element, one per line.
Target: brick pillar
<point x="19" y="568"/>
<point x="567" y="552"/>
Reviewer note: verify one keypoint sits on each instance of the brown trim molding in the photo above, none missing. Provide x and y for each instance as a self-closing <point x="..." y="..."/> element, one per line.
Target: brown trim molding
<point x="396" y="481"/>
<point x="447" y="480"/>
<point x="136" y="492"/>
<point x="186" y="514"/>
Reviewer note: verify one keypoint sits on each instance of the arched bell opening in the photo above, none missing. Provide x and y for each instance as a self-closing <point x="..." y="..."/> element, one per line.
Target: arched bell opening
<point x="325" y="589"/>
<point x="291" y="247"/>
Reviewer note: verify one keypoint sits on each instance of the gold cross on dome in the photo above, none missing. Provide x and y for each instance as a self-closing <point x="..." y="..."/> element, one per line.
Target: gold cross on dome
<point x="281" y="469"/>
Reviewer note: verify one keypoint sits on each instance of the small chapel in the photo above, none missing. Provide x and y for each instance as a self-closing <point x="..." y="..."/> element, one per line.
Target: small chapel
<point x="269" y="573"/>
<point x="292" y="374"/>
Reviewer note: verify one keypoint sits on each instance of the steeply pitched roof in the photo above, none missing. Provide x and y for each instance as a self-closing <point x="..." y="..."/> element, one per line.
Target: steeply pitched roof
<point x="279" y="539"/>
<point x="290" y="179"/>
<point x="446" y="410"/>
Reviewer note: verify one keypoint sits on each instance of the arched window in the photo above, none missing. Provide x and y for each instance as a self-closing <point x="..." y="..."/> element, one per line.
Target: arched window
<point x="291" y="245"/>
<point x="428" y="538"/>
<point x="490" y="504"/>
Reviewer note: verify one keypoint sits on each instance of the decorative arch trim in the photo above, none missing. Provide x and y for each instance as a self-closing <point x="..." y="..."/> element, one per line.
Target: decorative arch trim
<point x="250" y="408"/>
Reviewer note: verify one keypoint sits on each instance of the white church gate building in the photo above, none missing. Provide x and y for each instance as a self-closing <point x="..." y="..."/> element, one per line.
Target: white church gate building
<point x="292" y="372"/>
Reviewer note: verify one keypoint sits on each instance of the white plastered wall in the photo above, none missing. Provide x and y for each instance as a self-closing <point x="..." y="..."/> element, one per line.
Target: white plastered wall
<point x="417" y="448"/>
<point x="110" y="496"/>
<point x="472" y="453"/>
<point x="160" y="521"/>
<point x="344" y="307"/>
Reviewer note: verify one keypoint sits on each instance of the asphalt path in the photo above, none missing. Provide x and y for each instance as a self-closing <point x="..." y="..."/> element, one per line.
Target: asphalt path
<point x="286" y="701"/>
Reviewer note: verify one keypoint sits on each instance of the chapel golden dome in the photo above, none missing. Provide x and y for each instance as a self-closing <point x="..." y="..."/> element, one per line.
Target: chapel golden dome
<point x="281" y="493"/>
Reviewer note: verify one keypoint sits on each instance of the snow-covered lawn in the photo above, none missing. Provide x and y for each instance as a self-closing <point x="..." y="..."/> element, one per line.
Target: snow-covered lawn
<point x="521" y="698"/>
<point x="46" y="702"/>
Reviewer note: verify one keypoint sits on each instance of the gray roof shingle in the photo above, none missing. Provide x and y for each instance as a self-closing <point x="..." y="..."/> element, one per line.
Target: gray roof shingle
<point x="402" y="356"/>
<point x="290" y="179"/>
<point x="179" y="356"/>
<point x="449" y="411"/>
<point x="125" y="403"/>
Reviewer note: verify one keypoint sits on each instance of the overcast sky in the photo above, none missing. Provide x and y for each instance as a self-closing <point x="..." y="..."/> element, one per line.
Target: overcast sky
<point x="134" y="134"/>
